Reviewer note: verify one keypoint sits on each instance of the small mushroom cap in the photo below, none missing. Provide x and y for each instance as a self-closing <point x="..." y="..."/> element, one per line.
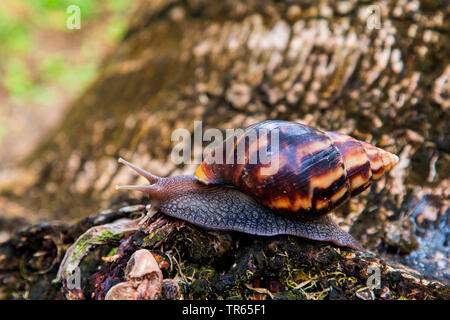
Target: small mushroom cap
<point x="135" y="290"/>
<point x="144" y="279"/>
<point x="122" y="291"/>
<point x="141" y="264"/>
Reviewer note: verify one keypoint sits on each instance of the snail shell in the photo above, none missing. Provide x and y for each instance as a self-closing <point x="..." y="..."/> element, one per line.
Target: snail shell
<point x="317" y="170"/>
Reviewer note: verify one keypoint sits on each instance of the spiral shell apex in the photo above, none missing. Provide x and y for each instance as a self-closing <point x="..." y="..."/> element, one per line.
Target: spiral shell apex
<point x="316" y="171"/>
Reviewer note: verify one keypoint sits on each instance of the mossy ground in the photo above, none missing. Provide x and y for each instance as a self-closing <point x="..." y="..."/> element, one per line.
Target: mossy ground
<point x="205" y="264"/>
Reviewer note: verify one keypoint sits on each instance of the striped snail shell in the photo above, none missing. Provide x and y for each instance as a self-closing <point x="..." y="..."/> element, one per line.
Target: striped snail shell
<point x="283" y="181"/>
<point x="317" y="170"/>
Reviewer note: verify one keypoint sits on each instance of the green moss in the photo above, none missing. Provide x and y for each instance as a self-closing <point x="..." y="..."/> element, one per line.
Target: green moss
<point x="200" y="289"/>
<point x="155" y="237"/>
<point x="289" y="295"/>
<point x="84" y="243"/>
<point x="112" y="252"/>
<point x="108" y="236"/>
<point x="81" y="246"/>
<point x="17" y="79"/>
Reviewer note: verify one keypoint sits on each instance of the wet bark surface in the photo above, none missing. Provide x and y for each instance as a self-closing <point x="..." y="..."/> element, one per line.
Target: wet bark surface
<point x="235" y="63"/>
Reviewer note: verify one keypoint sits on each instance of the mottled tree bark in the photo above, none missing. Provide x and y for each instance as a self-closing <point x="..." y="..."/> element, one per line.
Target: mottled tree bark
<point x="233" y="63"/>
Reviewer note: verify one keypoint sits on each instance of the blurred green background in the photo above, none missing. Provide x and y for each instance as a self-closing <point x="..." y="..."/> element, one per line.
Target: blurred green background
<point x="44" y="65"/>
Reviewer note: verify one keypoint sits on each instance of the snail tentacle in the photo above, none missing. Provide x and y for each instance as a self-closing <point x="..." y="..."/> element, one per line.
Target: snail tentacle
<point x="150" y="177"/>
<point x="152" y="190"/>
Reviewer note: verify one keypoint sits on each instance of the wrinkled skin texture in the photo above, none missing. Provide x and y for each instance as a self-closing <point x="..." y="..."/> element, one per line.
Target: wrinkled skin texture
<point x="226" y="209"/>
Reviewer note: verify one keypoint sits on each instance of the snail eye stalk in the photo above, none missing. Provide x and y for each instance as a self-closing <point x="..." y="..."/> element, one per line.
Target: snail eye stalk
<point x="153" y="191"/>
<point x="147" y="175"/>
<point x="137" y="188"/>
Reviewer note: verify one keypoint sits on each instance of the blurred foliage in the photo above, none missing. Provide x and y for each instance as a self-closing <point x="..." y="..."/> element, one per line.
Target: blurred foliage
<point x="41" y="60"/>
<point x="28" y="70"/>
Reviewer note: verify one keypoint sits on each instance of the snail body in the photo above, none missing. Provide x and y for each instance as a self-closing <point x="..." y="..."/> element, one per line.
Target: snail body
<point x="310" y="173"/>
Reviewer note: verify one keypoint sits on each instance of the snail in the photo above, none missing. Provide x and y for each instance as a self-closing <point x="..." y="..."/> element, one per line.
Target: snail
<point x="316" y="172"/>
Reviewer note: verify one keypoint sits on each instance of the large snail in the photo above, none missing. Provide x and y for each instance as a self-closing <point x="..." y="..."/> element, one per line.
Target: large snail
<point x="316" y="172"/>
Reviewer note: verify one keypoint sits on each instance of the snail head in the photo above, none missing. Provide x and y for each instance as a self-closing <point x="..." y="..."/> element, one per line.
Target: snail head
<point x="161" y="189"/>
<point x="152" y="189"/>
